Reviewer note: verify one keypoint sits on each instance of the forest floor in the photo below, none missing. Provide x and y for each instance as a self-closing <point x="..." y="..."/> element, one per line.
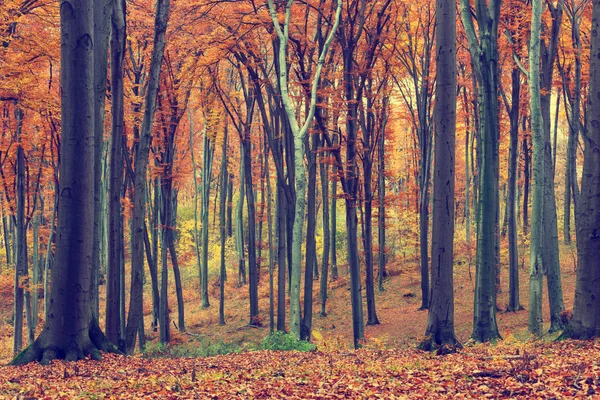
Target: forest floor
<point x="387" y="366"/>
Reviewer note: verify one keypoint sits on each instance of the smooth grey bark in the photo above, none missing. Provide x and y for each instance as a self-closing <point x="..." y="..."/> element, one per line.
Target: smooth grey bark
<point x="333" y="227"/>
<point x="299" y="134"/>
<point x="539" y="155"/>
<point x="513" y="302"/>
<point x="574" y="12"/>
<point x="115" y="219"/>
<point x="324" y="174"/>
<point x="207" y="162"/>
<point x="21" y="267"/>
<point x="134" y="318"/>
<point x="70" y="332"/>
<point x="550" y="255"/>
<point x="196" y="194"/>
<point x="239" y="225"/>
<point x="381" y="177"/>
<point x="102" y="30"/>
<point x="222" y="228"/>
<point x="585" y="322"/>
<point x="440" y="320"/>
<point x="483" y="47"/>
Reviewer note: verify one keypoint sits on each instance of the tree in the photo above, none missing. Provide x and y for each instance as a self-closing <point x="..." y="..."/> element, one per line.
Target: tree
<point x="585" y="322"/>
<point x="299" y="134"/>
<point x="134" y="318"/>
<point x="484" y="56"/>
<point x="70" y="332"/>
<point x="440" y="320"/>
<point x="535" y="249"/>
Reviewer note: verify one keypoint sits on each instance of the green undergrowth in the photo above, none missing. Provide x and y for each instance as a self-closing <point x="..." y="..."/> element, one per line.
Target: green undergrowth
<point x="203" y="347"/>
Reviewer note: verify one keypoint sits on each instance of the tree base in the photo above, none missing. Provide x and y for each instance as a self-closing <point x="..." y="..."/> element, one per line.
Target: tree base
<point x="44" y="350"/>
<point x="448" y="345"/>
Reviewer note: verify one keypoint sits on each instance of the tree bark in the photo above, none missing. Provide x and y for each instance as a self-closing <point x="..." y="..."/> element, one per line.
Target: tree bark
<point x="135" y="315"/>
<point x="440" y="321"/>
<point x="115" y="228"/>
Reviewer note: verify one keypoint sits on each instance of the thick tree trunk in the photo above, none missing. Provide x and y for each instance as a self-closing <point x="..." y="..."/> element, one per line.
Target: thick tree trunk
<point x="440" y="321"/>
<point x="539" y="155"/>
<point x="69" y="331"/>
<point x="585" y="323"/>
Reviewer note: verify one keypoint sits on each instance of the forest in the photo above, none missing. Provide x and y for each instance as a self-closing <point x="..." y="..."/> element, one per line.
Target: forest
<point x="405" y="196"/>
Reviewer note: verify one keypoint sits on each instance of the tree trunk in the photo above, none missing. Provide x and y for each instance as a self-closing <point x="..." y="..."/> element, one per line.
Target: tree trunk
<point x="223" y="229"/>
<point x="311" y="240"/>
<point x="209" y="150"/>
<point x="21" y="270"/>
<point x="239" y="224"/>
<point x="69" y="331"/>
<point x="550" y="254"/>
<point x="440" y="321"/>
<point x="484" y="55"/>
<point x="115" y="219"/>
<point x="585" y="323"/>
<point x="333" y="228"/>
<point x="539" y="155"/>
<point x="513" y="302"/>
<point x="102" y="29"/>
<point x="141" y="163"/>
<point x="196" y="194"/>
<point x="324" y="173"/>
<point x="280" y="218"/>
<point x="252" y="268"/>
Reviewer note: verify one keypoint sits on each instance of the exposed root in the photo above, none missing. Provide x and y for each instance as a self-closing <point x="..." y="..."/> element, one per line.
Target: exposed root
<point x="44" y="350"/>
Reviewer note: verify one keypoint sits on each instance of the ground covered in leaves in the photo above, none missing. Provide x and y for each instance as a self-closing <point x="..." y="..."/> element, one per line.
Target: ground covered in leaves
<point x="510" y="369"/>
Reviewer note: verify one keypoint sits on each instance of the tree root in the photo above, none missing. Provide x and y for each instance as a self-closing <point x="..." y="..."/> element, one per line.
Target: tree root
<point x="44" y="350"/>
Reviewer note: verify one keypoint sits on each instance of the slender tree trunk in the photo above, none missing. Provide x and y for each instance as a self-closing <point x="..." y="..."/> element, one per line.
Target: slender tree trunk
<point x="223" y="228"/>
<point x="115" y="216"/>
<point x="381" y="220"/>
<point x="513" y="302"/>
<point x="196" y="194"/>
<point x="209" y="150"/>
<point x="311" y="243"/>
<point x="280" y="218"/>
<point x="550" y="253"/>
<point x="239" y="225"/>
<point x="324" y="172"/>
<point x="252" y="267"/>
<point x="21" y="273"/>
<point x="139" y="202"/>
<point x="483" y="48"/>
<point x="230" y="206"/>
<point x="102" y="29"/>
<point x="526" y="181"/>
<point x="333" y="228"/>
